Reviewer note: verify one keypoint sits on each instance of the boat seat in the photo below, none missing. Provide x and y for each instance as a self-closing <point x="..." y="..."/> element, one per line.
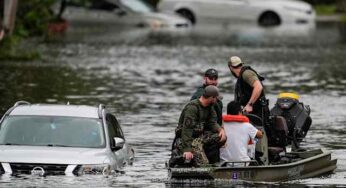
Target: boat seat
<point x="281" y="125"/>
<point x="237" y="163"/>
<point x="279" y="132"/>
<point x="275" y="150"/>
<point x="274" y="153"/>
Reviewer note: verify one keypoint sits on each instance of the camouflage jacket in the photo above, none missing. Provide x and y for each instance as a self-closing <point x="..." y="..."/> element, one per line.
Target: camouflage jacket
<point x="193" y="121"/>
<point x="217" y="106"/>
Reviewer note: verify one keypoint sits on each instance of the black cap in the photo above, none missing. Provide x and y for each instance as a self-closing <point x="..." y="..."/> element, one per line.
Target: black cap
<point x="211" y="73"/>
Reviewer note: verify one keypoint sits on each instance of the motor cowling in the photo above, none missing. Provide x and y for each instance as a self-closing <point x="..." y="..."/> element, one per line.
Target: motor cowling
<point x="296" y="114"/>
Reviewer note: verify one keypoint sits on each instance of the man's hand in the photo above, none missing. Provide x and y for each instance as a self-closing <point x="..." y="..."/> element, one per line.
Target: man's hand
<point x="222" y="135"/>
<point x="248" y="108"/>
<point x="188" y="156"/>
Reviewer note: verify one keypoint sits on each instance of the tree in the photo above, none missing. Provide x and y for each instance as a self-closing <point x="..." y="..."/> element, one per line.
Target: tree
<point x="341" y="6"/>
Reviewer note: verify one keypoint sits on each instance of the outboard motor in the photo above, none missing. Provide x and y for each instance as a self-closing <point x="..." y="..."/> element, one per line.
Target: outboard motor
<point x="298" y="121"/>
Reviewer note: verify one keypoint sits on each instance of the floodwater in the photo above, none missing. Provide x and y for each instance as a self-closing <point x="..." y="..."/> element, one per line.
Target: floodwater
<point x="145" y="77"/>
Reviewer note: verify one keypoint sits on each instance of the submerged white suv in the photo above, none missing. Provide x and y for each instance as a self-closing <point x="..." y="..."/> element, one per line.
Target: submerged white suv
<point x="45" y="139"/>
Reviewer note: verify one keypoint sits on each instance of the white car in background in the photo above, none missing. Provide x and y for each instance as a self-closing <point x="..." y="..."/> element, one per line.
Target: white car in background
<point x="122" y="12"/>
<point x="264" y="12"/>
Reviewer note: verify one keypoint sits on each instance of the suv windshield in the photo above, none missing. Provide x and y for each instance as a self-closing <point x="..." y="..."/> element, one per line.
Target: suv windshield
<point x="52" y="131"/>
<point x="137" y="6"/>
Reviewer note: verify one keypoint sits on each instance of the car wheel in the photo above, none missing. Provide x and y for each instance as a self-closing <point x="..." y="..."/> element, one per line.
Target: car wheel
<point x="187" y="14"/>
<point x="269" y="19"/>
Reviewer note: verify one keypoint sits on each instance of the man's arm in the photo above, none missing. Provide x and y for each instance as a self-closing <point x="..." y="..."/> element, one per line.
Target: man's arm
<point x="259" y="134"/>
<point x="189" y="124"/>
<point x="256" y="93"/>
<point x="254" y="132"/>
<point x="212" y="121"/>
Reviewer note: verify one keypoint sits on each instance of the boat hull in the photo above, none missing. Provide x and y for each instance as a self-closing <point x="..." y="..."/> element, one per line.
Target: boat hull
<point x="313" y="163"/>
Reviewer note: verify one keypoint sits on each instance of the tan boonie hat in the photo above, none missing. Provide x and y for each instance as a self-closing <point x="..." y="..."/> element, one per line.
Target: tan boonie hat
<point x="211" y="91"/>
<point x="234" y="61"/>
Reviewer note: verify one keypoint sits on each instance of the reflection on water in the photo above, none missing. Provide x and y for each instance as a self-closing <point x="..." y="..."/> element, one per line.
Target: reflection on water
<point x="39" y="83"/>
<point x="145" y="78"/>
<point x="236" y="34"/>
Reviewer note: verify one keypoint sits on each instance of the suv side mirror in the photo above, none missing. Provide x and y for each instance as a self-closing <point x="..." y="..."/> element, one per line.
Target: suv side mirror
<point x="118" y="143"/>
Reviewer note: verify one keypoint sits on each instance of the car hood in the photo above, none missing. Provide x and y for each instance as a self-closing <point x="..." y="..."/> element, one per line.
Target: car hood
<point x="171" y="19"/>
<point x="55" y="155"/>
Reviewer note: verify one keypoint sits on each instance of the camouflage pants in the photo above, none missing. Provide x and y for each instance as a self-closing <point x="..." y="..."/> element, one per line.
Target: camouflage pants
<point x="198" y="146"/>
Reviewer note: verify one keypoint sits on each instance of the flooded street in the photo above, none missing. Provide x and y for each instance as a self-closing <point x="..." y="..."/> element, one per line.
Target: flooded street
<point x="145" y="78"/>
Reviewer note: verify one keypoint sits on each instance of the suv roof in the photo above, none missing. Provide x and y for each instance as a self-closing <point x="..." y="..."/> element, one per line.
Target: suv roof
<point x="56" y="110"/>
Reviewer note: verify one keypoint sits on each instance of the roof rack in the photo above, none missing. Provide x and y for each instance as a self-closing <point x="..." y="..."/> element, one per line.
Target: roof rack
<point x="18" y="103"/>
<point x="21" y="103"/>
<point x="101" y="107"/>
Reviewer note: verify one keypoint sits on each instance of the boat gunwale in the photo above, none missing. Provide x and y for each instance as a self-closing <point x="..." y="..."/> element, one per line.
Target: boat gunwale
<point x="323" y="153"/>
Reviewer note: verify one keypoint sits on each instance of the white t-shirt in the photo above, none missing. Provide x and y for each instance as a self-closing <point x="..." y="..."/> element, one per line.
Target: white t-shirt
<point x="238" y="135"/>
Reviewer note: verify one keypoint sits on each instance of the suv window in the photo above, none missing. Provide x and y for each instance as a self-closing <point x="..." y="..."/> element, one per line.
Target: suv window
<point x="52" y="131"/>
<point x="114" y="127"/>
<point x="97" y="4"/>
<point x="103" y="5"/>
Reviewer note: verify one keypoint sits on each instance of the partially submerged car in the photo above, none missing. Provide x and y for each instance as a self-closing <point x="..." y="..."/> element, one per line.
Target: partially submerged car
<point x="46" y="139"/>
<point x="125" y="13"/>
<point x="265" y="13"/>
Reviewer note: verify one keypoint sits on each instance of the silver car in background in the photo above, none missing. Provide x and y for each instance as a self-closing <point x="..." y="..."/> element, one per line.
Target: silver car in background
<point x="263" y="12"/>
<point x="45" y="139"/>
<point x="123" y="13"/>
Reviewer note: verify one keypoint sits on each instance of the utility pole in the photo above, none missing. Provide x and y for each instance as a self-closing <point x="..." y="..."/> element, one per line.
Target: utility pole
<point x="10" y="10"/>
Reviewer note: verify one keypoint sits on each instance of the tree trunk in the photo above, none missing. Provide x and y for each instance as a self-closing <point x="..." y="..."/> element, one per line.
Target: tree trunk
<point x="1" y="12"/>
<point x="62" y="9"/>
<point x="10" y="9"/>
<point x="341" y="6"/>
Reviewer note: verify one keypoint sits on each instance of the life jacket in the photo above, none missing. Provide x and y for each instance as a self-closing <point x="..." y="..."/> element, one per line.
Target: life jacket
<point x="243" y="90"/>
<point x="235" y="118"/>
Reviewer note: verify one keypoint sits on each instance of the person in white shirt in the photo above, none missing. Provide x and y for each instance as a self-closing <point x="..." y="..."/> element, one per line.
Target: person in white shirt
<point x="238" y="131"/>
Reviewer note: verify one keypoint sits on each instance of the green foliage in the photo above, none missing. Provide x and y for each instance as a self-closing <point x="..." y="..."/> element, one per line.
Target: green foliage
<point x="10" y="50"/>
<point x="343" y="18"/>
<point x="33" y="17"/>
<point x="325" y="9"/>
<point x="16" y="56"/>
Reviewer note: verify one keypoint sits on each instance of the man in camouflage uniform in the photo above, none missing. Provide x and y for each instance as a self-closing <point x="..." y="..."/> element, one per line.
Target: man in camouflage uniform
<point x="197" y="127"/>
<point x="211" y="78"/>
